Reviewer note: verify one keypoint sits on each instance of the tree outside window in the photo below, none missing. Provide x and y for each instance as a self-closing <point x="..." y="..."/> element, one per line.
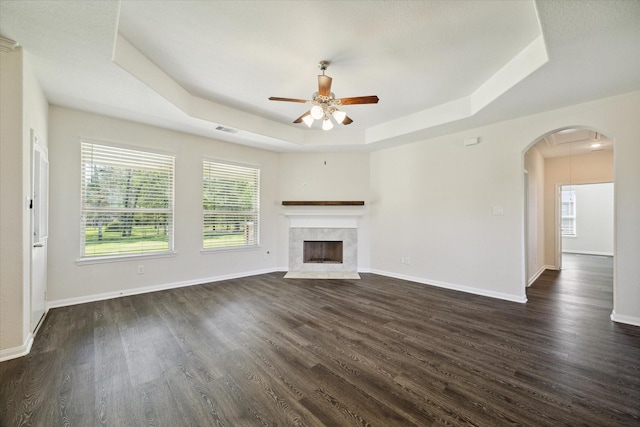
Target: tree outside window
<point x="127" y="201"/>
<point x="231" y="205"/>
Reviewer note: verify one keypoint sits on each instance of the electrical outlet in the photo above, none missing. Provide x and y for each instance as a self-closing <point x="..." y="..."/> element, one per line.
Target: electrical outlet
<point x="141" y="269"/>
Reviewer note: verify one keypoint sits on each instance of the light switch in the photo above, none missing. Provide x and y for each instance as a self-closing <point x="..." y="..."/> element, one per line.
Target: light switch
<point x="498" y="210"/>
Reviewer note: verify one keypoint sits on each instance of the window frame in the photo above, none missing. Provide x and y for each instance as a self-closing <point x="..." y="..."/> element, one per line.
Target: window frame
<point x="572" y="217"/>
<point x="135" y="153"/>
<point x="208" y="165"/>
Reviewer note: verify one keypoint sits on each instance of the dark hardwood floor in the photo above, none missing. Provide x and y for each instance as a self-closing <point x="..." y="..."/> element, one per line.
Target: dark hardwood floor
<point x="378" y="351"/>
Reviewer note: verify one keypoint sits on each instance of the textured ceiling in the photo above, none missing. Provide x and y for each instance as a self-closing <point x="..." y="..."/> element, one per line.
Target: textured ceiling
<point x="437" y="66"/>
<point x="414" y="55"/>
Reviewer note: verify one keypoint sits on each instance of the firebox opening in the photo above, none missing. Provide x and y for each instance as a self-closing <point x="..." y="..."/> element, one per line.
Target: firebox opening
<point x="316" y="251"/>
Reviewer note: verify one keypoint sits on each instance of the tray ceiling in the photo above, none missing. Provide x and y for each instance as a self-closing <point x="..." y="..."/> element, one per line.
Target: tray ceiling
<point x="437" y="66"/>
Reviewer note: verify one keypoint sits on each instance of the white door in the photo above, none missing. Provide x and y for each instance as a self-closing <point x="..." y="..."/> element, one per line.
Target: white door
<point x="39" y="231"/>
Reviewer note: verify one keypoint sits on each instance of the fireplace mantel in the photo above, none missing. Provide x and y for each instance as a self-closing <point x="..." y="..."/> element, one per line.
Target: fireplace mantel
<point x="323" y="203"/>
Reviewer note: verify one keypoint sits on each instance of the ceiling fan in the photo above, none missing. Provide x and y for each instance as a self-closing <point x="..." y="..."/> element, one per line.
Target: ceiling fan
<point x="325" y="105"/>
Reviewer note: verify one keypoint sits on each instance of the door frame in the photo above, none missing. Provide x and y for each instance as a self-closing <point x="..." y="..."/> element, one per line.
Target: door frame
<point x="38" y="233"/>
<point x="558" y="224"/>
<point x="557" y="246"/>
<point x="558" y="214"/>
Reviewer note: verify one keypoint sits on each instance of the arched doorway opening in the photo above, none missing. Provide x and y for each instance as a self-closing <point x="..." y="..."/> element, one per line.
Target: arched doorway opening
<point x="564" y="159"/>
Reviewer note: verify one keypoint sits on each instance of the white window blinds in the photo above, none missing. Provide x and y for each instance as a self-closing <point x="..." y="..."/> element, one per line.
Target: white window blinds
<point x="231" y="205"/>
<point x="127" y="201"/>
<point x="568" y="212"/>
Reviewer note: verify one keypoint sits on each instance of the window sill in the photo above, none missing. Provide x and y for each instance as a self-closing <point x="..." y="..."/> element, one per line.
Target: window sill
<point x="230" y="249"/>
<point x="120" y="258"/>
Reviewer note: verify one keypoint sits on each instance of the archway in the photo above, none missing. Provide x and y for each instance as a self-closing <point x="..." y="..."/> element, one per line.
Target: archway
<point x="566" y="156"/>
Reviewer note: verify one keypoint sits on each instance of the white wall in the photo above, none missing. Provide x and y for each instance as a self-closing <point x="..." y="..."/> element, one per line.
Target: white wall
<point x="70" y="282"/>
<point x="326" y="176"/>
<point x="626" y="303"/>
<point x="534" y="164"/>
<point x="432" y="202"/>
<point x="594" y="220"/>
<point x="12" y="279"/>
<point x="594" y="167"/>
<point x="290" y="176"/>
<point x="22" y="107"/>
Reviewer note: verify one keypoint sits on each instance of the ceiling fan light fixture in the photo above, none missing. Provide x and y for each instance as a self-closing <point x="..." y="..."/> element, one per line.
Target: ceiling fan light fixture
<point x="308" y="120"/>
<point x="324" y="103"/>
<point x="317" y="112"/>
<point x="339" y="116"/>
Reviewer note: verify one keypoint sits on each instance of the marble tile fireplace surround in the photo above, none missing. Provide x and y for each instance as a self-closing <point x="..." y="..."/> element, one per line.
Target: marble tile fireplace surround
<point x="325" y="224"/>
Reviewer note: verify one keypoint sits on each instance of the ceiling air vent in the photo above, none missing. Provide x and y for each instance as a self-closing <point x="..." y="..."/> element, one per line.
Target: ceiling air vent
<point x="226" y="129"/>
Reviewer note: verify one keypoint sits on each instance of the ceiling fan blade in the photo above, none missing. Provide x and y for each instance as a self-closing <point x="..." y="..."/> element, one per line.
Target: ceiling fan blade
<point x="275" y="98"/>
<point x="347" y="120"/>
<point x="372" y="99"/>
<point x="324" y="85"/>
<point x="299" y="119"/>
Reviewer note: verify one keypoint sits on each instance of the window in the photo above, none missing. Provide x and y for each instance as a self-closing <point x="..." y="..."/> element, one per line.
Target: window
<point x="127" y="201"/>
<point x="231" y="205"/>
<point x="568" y="213"/>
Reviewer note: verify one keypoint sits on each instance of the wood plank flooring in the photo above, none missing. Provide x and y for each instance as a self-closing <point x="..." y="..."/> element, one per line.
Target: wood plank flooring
<point x="373" y="352"/>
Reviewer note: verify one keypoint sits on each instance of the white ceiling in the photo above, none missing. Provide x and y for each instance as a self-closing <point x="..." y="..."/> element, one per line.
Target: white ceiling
<point x="573" y="141"/>
<point x="437" y="66"/>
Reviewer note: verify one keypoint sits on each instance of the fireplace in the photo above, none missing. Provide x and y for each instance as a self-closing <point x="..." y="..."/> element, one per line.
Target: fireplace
<point x="323" y="246"/>
<point x="322" y="251"/>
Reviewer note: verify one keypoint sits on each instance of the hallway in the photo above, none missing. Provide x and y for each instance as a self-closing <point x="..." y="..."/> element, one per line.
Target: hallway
<point x="583" y="280"/>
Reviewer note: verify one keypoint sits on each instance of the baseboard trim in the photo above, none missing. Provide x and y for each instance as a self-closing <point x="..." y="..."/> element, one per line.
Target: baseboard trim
<point x="536" y="275"/>
<point x="539" y="273"/>
<point x="588" y="253"/>
<point x="155" y="288"/>
<point x="455" y="287"/>
<point x="629" y="320"/>
<point x="15" y="352"/>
